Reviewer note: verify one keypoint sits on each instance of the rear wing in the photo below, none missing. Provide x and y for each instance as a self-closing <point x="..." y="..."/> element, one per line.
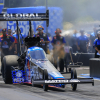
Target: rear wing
<point x="26" y="17"/>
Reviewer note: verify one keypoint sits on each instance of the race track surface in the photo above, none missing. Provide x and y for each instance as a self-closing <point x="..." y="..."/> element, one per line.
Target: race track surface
<point x="27" y="92"/>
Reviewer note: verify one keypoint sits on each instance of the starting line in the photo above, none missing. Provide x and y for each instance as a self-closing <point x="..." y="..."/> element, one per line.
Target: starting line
<point x="88" y="76"/>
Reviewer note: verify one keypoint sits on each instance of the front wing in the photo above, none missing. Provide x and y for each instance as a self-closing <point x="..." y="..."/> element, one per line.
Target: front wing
<point x="19" y="77"/>
<point x="65" y="81"/>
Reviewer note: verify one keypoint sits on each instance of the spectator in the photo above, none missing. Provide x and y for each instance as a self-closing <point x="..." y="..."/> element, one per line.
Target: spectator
<point x="44" y="38"/>
<point x="92" y="38"/>
<point x="58" y="43"/>
<point x="14" y="49"/>
<point x="96" y="45"/>
<point x="5" y="43"/>
<point x="21" y="40"/>
<point x="74" y="41"/>
<point x="82" y="42"/>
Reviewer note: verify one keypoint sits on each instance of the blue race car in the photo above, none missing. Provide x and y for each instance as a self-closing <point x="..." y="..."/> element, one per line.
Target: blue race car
<point x="33" y="67"/>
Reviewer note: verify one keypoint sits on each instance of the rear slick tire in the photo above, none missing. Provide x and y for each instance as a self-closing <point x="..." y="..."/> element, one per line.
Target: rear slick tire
<point x="7" y="62"/>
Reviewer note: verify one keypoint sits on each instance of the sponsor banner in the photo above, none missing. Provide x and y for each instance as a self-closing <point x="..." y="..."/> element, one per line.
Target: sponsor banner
<point x="55" y="13"/>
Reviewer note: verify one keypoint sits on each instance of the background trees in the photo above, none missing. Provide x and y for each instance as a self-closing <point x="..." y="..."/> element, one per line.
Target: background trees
<point x="74" y="10"/>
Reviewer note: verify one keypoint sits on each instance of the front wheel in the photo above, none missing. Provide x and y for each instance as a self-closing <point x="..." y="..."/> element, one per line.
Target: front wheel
<point x="73" y="76"/>
<point x="45" y="87"/>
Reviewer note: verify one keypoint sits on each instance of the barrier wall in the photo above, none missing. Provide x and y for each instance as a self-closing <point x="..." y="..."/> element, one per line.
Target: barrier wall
<point x="83" y="57"/>
<point x="95" y="67"/>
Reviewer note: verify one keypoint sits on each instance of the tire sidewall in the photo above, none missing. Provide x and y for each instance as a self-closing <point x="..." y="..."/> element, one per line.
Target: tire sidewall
<point x="7" y="62"/>
<point x="7" y="73"/>
<point x="73" y="76"/>
<point x="45" y="77"/>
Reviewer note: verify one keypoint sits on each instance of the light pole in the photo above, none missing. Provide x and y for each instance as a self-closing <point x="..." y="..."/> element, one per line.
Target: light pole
<point x="46" y="4"/>
<point x="46" y="10"/>
<point x="3" y="3"/>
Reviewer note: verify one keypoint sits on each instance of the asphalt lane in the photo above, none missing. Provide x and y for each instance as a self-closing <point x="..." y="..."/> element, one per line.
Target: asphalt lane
<point x="27" y="92"/>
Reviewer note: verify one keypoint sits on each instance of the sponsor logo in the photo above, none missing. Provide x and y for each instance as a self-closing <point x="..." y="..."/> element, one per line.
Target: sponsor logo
<point x="74" y="80"/>
<point x="19" y="74"/>
<point x="56" y="81"/>
<point x="38" y="62"/>
<point x="19" y="80"/>
<point x="61" y="81"/>
<point x="5" y="44"/>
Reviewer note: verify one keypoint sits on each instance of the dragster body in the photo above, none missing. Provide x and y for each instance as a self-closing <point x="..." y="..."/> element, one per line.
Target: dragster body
<point x="33" y="67"/>
<point x="36" y="63"/>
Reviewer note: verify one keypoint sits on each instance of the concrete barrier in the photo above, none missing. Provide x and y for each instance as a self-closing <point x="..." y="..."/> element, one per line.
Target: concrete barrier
<point x="82" y="57"/>
<point x="95" y="67"/>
